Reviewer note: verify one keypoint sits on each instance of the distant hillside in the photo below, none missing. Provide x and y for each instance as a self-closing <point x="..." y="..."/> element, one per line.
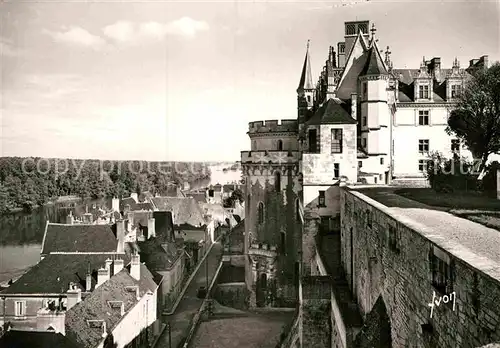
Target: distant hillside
<point x="27" y="182"/>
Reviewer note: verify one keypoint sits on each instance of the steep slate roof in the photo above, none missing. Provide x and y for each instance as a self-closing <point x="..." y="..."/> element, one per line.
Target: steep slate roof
<point x="185" y="210"/>
<point x="306" y="76"/>
<point x="79" y="238"/>
<point x="53" y="274"/>
<point x="134" y="205"/>
<point x="332" y="112"/>
<point x="374" y="64"/>
<point x="199" y="197"/>
<point x="158" y="256"/>
<point x="35" y="339"/>
<point x="96" y="306"/>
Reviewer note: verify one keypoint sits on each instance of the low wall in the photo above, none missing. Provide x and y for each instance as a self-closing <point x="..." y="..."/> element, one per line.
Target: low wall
<point x="233" y="295"/>
<point x="388" y="259"/>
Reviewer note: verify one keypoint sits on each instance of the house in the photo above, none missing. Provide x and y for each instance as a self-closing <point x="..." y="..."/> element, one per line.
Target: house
<point x="40" y="296"/>
<point x="121" y="312"/>
<point x="214" y="193"/>
<point x="164" y="255"/>
<point x="83" y="238"/>
<point x="189" y="223"/>
<point x="35" y="339"/>
<point x="216" y="215"/>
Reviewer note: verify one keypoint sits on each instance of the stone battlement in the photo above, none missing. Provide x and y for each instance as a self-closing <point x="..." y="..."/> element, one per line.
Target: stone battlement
<point x="266" y="157"/>
<point x="262" y="249"/>
<point x="270" y="126"/>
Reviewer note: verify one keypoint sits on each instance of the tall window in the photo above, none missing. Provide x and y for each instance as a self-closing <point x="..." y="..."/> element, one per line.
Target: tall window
<point x="336" y="140"/>
<point x="280" y="145"/>
<point x="321" y="199"/>
<point x="423" y="92"/>
<point x="260" y="213"/>
<point x="441" y="275"/>
<point x="423" y="146"/>
<point x="20" y="309"/>
<point x="363" y="143"/>
<point x="313" y="141"/>
<point x="455" y="90"/>
<point x="382" y="160"/>
<point x="363" y="120"/>
<point x="423" y="117"/>
<point x="455" y="145"/>
<point x="360" y="164"/>
<point x="336" y="170"/>
<point x="277" y="181"/>
<point x="422" y="165"/>
<point x="365" y="90"/>
<point x="393" y="239"/>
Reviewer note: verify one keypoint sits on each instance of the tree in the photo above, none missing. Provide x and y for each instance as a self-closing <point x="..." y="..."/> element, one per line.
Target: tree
<point x="476" y="118"/>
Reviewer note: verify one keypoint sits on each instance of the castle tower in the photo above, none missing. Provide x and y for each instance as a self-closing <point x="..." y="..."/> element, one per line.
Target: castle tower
<point x="375" y="114"/>
<point x="306" y="90"/>
<point x="272" y="238"/>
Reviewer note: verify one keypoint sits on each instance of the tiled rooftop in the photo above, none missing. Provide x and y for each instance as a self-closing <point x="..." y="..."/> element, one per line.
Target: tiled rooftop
<point x="185" y="211"/>
<point x="96" y="306"/>
<point x="79" y="238"/>
<point x="35" y="339"/>
<point x="53" y="274"/>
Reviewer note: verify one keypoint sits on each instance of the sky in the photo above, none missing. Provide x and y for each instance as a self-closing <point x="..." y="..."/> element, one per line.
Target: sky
<point x="179" y="81"/>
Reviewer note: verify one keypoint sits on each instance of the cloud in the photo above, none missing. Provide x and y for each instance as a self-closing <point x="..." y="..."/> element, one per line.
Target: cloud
<point x="77" y="36"/>
<point x="7" y="48"/>
<point x="128" y="32"/>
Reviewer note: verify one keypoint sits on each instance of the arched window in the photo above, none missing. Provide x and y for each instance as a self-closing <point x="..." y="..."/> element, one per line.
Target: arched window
<point x="277" y="181"/>
<point x="280" y="145"/>
<point x="260" y="213"/>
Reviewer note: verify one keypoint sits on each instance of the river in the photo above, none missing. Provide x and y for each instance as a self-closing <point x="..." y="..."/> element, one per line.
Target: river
<point x="21" y="233"/>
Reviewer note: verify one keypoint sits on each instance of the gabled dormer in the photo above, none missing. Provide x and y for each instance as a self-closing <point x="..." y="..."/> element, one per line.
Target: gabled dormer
<point x="454" y="82"/>
<point x="423" y="84"/>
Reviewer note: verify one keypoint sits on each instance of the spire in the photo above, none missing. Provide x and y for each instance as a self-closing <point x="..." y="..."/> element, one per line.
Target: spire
<point x="306" y="77"/>
<point x="423" y="64"/>
<point x="373" y="30"/>
<point x="387" y="60"/>
<point x="456" y="63"/>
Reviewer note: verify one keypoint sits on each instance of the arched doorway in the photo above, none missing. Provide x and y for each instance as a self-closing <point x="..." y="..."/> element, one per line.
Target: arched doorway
<point x="261" y="294"/>
<point x="280" y="145"/>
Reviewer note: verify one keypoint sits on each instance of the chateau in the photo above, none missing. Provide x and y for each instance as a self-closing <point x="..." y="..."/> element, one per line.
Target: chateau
<point x="363" y="122"/>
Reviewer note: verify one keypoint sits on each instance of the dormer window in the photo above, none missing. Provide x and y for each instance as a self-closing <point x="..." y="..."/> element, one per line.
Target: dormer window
<point x="423" y="92"/>
<point x="455" y="91"/>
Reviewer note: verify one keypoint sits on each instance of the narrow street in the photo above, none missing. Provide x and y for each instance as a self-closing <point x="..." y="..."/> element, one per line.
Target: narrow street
<point x="180" y="321"/>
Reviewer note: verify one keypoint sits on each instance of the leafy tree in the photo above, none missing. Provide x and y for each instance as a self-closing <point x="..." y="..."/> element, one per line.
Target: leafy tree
<point x="476" y="118"/>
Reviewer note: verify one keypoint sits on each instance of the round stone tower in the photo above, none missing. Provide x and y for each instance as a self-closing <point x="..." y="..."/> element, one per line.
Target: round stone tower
<point x="272" y="227"/>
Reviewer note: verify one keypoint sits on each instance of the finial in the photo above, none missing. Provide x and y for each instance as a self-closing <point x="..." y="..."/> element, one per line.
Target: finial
<point x="308" y="42"/>
<point x="456" y="63"/>
<point x="373" y="30"/>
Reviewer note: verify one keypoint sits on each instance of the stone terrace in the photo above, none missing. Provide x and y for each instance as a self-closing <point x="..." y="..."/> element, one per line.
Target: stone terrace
<point x="393" y="241"/>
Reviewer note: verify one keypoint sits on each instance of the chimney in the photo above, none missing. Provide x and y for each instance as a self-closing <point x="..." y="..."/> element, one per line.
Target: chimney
<point x="115" y="204"/>
<point x="88" y="279"/>
<point x="102" y="276"/>
<point x="70" y="218"/>
<point x="436" y="68"/>
<point x="117" y="266"/>
<point x="74" y="295"/>
<point x="108" y="264"/>
<point x="104" y="331"/>
<point x="135" y="267"/>
<point x="135" y="196"/>
<point x="484" y="60"/>
<point x="120" y="235"/>
<point x="151" y="227"/>
<point x="126" y="209"/>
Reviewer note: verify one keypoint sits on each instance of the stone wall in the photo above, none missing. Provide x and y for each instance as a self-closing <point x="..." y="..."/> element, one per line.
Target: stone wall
<point x="232" y="295"/>
<point x="398" y="278"/>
